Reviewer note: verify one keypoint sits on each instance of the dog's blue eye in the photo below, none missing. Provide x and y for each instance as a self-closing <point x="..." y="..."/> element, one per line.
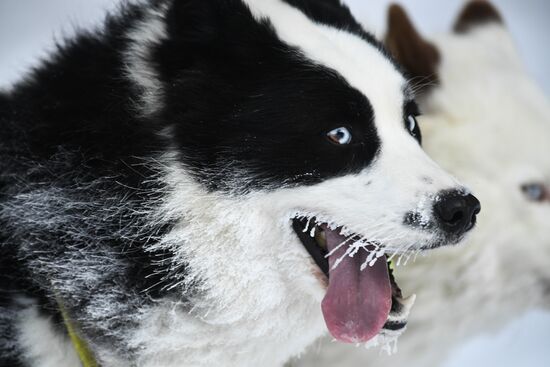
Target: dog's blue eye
<point x="340" y="136"/>
<point x="534" y="192"/>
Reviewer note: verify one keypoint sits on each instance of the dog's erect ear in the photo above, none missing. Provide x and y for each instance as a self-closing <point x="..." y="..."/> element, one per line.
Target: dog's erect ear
<point x="419" y="57"/>
<point x="476" y="13"/>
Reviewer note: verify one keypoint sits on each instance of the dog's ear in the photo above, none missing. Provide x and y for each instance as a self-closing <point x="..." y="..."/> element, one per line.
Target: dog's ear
<point x="419" y="57"/>
<point x="475" y="13"/>
<point x="212" y="30"/>
<point x="194" y="21"/>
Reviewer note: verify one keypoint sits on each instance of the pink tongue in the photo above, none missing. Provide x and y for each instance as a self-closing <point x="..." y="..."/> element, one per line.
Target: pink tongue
<point x="357" y="302"/>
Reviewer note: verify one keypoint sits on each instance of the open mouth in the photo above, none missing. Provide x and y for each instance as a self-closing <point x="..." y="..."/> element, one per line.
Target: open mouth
<point x="363" y="299"/>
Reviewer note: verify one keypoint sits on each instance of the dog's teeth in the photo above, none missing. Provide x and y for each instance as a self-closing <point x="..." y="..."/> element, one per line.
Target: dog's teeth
<point x="321" y="239"/>
<point x="408" y="303"/>
<point x="312" y="232"/>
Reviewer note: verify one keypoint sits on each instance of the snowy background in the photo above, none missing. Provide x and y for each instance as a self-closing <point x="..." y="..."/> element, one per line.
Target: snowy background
<point x="28" y="29"/>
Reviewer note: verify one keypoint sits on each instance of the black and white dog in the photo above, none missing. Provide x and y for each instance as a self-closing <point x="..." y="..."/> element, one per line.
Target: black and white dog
<point x="189" y="183"/>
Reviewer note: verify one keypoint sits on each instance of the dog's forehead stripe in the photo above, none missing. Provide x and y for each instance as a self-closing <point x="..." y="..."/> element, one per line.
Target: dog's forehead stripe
<point x="361" y="64"/>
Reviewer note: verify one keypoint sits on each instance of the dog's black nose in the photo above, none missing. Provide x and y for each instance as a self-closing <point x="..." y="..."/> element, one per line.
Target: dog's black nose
<point x="457" y="212"/>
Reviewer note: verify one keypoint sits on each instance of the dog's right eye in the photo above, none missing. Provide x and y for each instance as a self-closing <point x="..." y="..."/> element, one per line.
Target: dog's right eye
<point x="340" y="136"/>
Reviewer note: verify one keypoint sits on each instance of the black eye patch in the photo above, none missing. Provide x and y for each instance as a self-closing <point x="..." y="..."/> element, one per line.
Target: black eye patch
<point x="270" y="130"/>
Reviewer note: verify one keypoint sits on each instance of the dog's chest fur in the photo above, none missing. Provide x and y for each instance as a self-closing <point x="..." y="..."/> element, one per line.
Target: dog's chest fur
<point x="170" y="338"/>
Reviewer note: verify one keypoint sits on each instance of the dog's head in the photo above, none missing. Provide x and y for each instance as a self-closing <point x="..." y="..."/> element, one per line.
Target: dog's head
<point x="295" y="163"/>
<point x="489" y="124"/>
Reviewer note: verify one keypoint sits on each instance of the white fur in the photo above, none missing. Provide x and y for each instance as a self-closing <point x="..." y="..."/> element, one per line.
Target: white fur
<point x="489" y="124"/>
<point x="44" y="346"/>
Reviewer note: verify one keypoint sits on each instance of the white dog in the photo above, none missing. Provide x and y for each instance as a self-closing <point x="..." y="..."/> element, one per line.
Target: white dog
<point x="488" y="123"/>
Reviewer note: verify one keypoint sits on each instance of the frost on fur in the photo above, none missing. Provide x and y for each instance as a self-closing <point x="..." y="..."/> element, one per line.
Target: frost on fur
<point x="377" y="243"/>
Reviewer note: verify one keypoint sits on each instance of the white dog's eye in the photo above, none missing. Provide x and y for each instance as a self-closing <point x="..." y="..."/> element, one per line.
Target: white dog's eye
<point x="534" y="192"/>
<point x="340" y="136"/>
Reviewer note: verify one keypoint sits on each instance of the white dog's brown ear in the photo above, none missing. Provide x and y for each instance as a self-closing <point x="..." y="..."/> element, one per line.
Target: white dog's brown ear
<point x="419" y="57"/>
<point x="475" y="13"/>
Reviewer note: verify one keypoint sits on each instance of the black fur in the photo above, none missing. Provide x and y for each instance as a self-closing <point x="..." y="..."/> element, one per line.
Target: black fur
<point x="77" y="172"/>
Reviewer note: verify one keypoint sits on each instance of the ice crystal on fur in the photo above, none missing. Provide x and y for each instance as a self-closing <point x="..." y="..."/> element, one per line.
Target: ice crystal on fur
<point x="387" y="342"/>
<point x="375" y="242"/>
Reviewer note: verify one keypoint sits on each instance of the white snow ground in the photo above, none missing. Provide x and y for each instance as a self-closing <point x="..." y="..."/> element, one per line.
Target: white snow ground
<point x="28" y="28"/>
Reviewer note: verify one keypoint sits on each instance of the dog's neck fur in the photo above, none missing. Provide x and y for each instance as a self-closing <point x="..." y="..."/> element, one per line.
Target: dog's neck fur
<point x="226" y="325"/>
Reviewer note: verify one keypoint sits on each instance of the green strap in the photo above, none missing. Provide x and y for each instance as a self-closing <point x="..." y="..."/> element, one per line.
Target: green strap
<point x="80" y="346"/>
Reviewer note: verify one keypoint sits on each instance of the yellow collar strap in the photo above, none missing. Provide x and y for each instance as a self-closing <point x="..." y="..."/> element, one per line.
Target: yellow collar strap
<point x="80" y="346"/>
